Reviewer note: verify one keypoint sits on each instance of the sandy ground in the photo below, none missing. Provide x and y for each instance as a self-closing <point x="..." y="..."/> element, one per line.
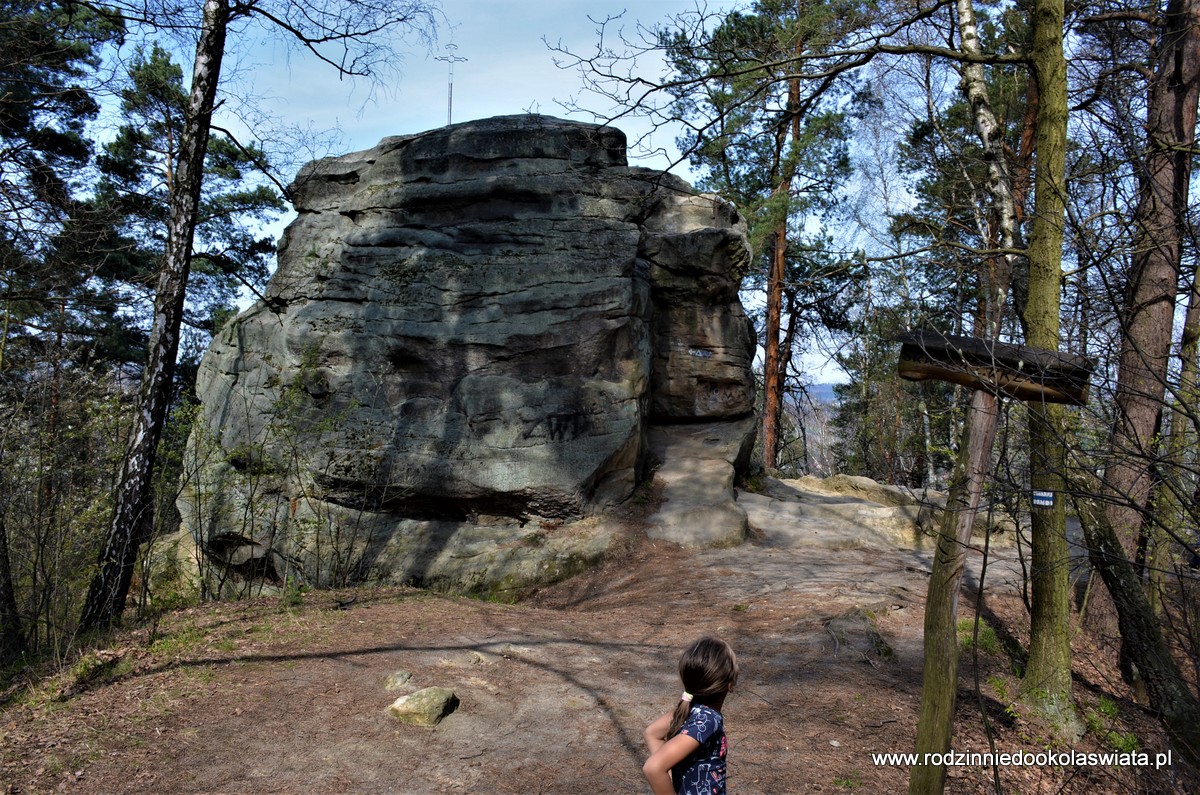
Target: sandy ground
<point x="256" y="697"/>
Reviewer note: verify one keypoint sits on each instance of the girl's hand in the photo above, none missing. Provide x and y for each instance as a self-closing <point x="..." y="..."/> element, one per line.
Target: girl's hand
<point x="656" y="733"/>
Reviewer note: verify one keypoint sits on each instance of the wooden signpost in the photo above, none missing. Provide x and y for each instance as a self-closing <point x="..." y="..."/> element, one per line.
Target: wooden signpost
<point x="1012" y="371"/>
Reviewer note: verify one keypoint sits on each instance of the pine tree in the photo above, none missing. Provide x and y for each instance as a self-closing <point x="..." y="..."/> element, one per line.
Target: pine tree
<point x="774" y="143"/>
<point x="48" y="54"/>
<point x="137" y="171"/>
<point x="351" y="36"/>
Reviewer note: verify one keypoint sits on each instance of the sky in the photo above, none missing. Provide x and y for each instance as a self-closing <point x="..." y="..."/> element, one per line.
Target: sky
<point x="508" y="69"/>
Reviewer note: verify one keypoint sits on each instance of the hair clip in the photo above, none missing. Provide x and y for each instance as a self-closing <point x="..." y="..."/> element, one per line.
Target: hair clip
<point x="686" y="696"/>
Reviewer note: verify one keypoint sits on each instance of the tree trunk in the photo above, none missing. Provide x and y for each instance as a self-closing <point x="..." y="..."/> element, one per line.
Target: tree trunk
<point x="1112" y="531"/>
<point x="1168" y="692"/>
<point x="1159" y="219"/>
<point x="131" y="520"/>
<point x="939" y="684"/>
<point x="774" y="365"/>
<point x="1146" y="330"/>
<point x="1047" y="682"/>
<point x="772" y="371"/>
<point x="12" y="640"/>
<point x="1177" y="482"/>
<point x="12" y="635"/>
<point x="939" y="679"/>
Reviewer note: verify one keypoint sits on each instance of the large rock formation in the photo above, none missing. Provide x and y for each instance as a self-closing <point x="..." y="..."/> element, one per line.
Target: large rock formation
<point x="468" y="334"/>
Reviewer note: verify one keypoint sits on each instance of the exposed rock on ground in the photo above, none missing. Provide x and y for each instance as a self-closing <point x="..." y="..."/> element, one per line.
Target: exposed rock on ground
<point x="425" y="707"/>
<point x="252" y="696"/>
<point x="887" y="515"/>
<point x="699" y="465"/>
<point x="468" y="337"/>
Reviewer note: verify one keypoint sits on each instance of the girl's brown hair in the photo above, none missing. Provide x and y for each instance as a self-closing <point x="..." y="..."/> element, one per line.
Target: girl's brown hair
<point x="708" y="668"/>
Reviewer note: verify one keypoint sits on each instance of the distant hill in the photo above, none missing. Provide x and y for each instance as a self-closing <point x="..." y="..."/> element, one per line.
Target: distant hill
<point x="823" y="393"/>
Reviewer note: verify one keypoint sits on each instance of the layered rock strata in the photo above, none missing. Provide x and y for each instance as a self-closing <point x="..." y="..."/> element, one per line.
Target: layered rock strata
<point x="468" y="335"/>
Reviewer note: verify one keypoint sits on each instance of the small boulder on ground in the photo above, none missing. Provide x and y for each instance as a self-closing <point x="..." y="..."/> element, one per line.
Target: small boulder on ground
<point x="425" y="707"/>
<point x="856" y="633"/>
<point x="398" y="680"/>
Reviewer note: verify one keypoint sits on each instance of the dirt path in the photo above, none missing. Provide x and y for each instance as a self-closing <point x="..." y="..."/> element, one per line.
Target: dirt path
<point x="255" y="698"/>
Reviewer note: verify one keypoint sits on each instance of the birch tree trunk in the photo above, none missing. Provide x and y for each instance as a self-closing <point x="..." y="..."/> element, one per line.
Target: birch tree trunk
<point x="939" y="678"/>
<point x="131" y="515"/>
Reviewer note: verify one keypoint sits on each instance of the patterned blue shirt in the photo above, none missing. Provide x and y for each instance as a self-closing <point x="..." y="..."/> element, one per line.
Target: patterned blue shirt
<point x="702" y="772"/>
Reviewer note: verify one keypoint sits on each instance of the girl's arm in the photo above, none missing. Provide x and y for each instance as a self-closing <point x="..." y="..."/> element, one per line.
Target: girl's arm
<point x="656" y="733"/>
<point x="657" y="769"/>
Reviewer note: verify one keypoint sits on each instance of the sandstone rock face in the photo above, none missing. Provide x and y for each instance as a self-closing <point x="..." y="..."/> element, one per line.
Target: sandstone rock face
<point x="699" y="464"/>
<point x="856" y="512"/>
<point x="469" y="329"/>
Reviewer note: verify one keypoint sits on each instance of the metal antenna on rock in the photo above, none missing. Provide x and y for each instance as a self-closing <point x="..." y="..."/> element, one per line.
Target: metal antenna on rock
<point x="451" y="58"/>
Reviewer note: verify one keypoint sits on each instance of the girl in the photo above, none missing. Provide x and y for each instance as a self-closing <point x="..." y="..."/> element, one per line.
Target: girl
<point x="687" y="746"/>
